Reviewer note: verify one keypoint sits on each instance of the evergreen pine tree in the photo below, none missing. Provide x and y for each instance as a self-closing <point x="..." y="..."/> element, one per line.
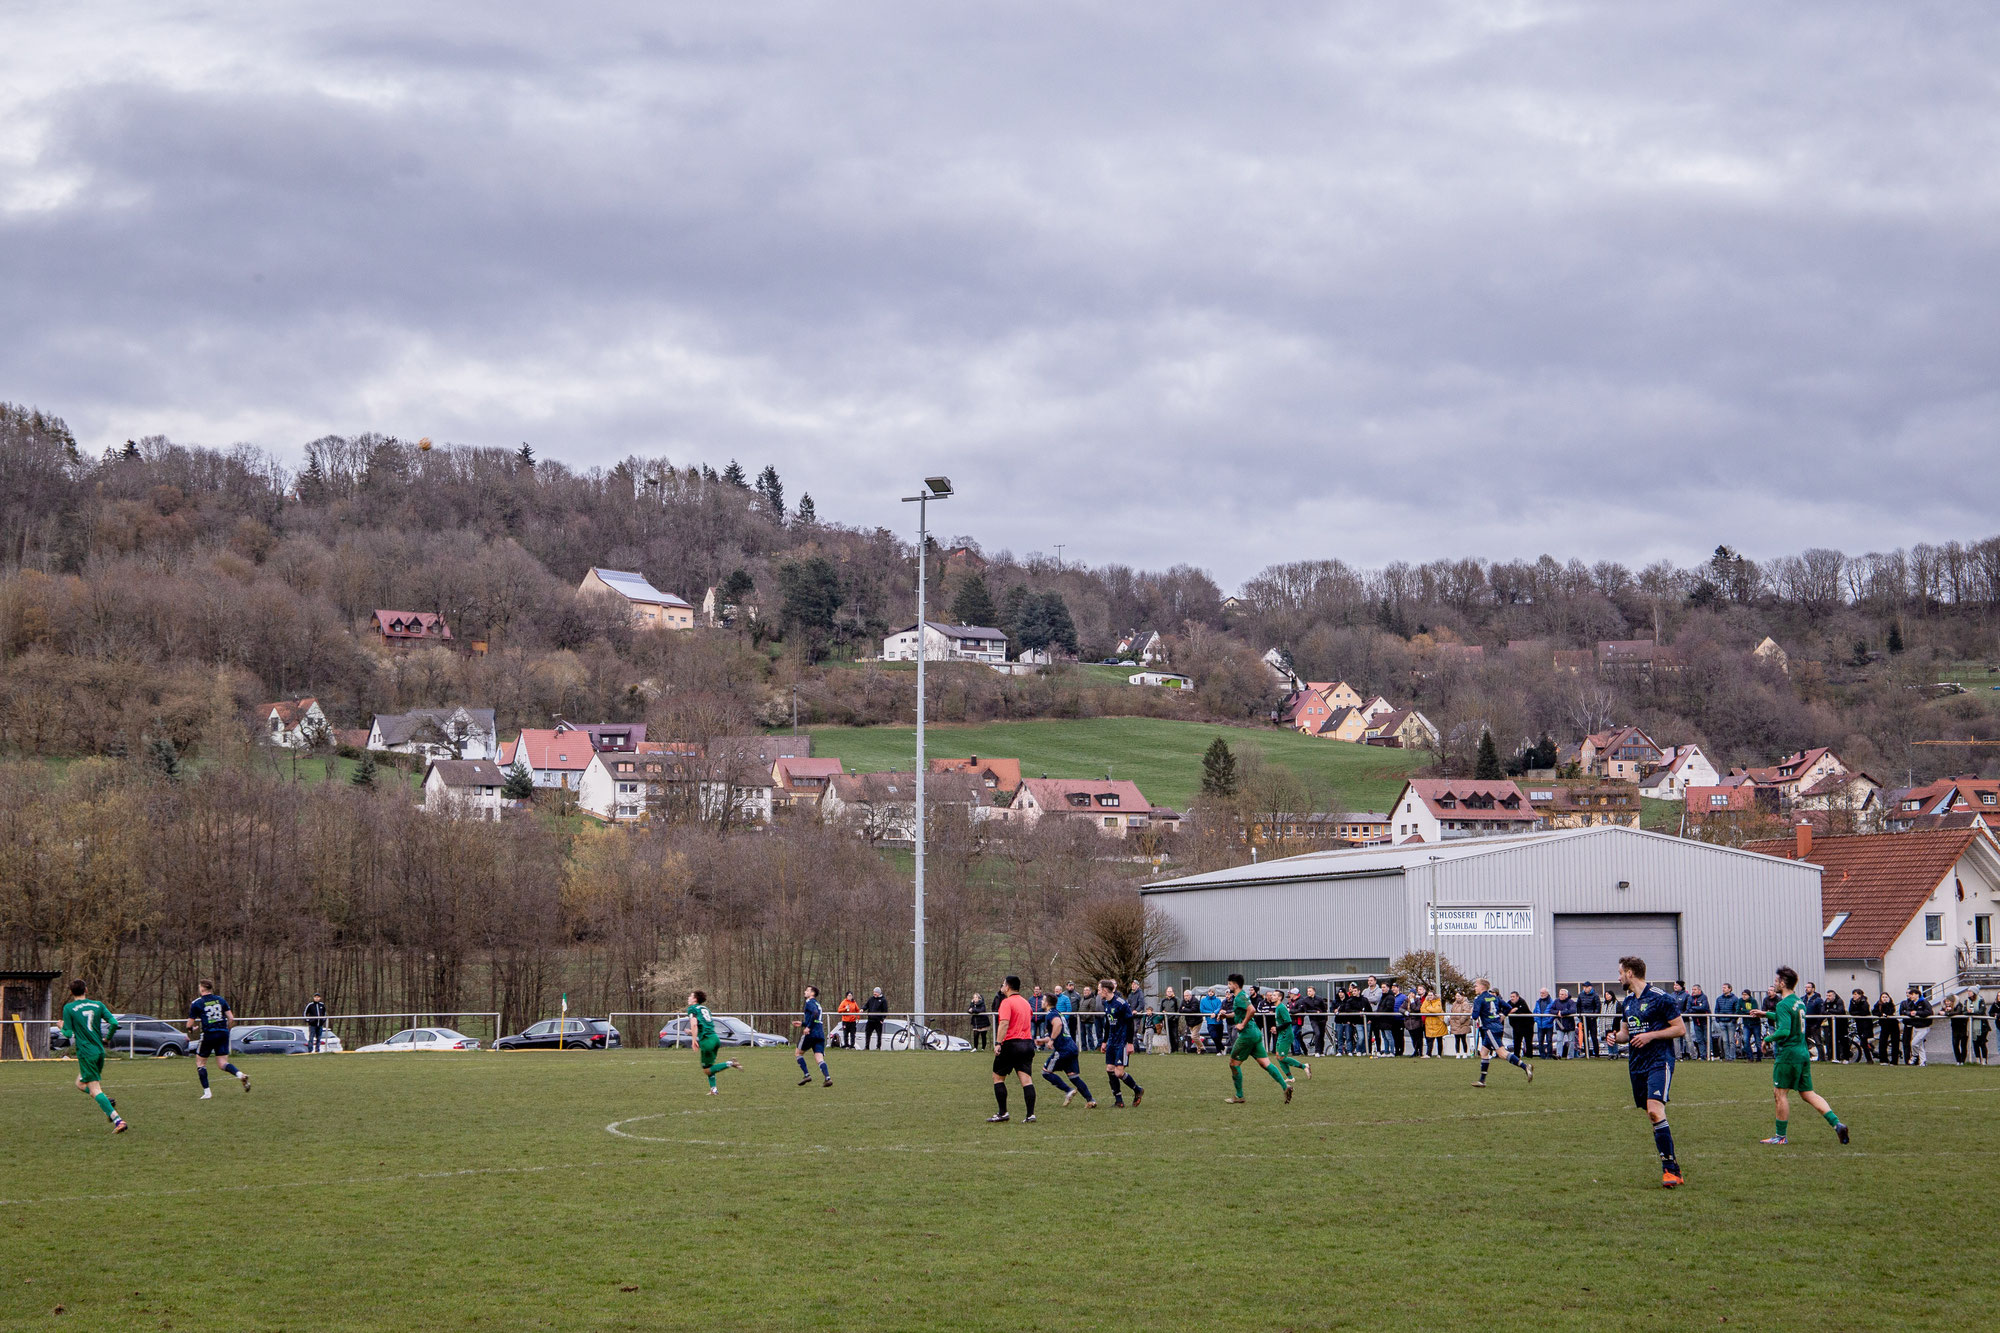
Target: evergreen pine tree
<point x="1218" y="770"/>
<point x="1487" y="768"/>
<point x="974" y="604"/>
<point x="520" y="783"/>
<point x="736" y="589"/>
<point x="1011" y="608"/>
<point x="1895" y="636"/>
<point x="525" y="455"/>
<point x="1062" y="629"/>
<point x="131" y="452"/>
<point x="735" y="475"/>
<point x="364" y="775"/>
<point x="163" y="758"/>
<point x="807" y="514"/>
<point x="708" y="473"/>
<point x="773" y="492"/>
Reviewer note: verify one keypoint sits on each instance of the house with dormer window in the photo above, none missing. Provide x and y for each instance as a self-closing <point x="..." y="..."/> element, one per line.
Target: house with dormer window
<point x="1113" y="807"/>
<point x="1446" y="809"/>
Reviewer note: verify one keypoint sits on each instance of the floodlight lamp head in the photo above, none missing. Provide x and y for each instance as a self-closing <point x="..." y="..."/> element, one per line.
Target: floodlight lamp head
<point x="939" y="487"/>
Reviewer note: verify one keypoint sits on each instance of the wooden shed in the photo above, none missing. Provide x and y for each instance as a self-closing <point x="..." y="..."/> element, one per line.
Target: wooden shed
<point x="26" y="1000"/>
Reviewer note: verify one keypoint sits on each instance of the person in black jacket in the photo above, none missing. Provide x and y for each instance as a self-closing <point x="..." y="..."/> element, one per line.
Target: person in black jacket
<point x="1314" y="1007"/>
<point x="1838" y="1036"/>
<point x="1961" y="1029"/>
<point x="315" y="1021"/>
<point x="980" y="1020"/>
<point x="1589" y="1004"/>
<point x="1390" y="1020"/>
<point x="1916" y="1011"/>
<point x="1861" y="1017"/>
<point x="875" y="1007"/>
<point x="1521" y="1016"/>
<point x="1887" y="1036"/>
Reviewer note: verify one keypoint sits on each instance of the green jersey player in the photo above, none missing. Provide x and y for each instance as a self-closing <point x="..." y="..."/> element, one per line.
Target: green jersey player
<point x="1287" y="1039"/>
<point x="705" y="1041"/>
<point x="1248" y="1043"/>
<point x="1791" y="1062"/>
<point x="89" y="1026"/>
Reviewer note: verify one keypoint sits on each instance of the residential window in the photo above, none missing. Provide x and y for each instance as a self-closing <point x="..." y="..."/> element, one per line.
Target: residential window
<point x="1111" y="821"/>
<point x="1839" y="920"/>
<point x="1987" y="798"/>
<point x="1933" y="928"/>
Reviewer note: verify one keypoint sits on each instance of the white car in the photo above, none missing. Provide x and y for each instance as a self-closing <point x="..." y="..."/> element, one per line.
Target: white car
<point x="424" y="1039"/>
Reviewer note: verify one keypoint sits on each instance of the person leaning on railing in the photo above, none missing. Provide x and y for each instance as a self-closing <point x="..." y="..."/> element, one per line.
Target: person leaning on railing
<point x="979" y="1021"/>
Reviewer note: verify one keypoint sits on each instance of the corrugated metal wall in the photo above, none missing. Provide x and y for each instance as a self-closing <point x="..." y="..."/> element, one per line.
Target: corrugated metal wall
<point x="1740" y="915"/>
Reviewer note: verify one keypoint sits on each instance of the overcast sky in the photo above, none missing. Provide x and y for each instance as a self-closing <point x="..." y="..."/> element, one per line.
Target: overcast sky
<point x="1217" y="284"/>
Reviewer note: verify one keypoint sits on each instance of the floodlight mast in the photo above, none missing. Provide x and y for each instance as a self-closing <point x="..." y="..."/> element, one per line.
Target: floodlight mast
<point x="934" y="488"/>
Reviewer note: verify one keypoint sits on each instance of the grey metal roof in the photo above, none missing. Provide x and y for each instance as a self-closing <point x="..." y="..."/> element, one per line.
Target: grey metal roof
<point x="635" y="587"/>
<point x="400" y="727"/>
<point x="958" y="631"/>
<point x="1352" y="862"/>
<point x="468" y="773"/>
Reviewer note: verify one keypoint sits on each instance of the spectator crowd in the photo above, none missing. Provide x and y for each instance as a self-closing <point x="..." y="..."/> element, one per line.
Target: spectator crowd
<point x="1380" y="1019"/>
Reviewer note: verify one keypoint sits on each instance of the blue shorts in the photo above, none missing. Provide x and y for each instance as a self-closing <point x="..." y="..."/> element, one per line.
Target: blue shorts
<point x="1651" y="1085"/>
<point x="214" y="1043"/>
<point x="1114" y="1053"/>
<point x="1492" y="1039"/>
<point x="817" y="1044"/>
<point x="1060" y="1063"/>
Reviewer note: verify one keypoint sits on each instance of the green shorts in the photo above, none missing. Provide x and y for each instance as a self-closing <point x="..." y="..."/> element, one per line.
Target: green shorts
<point x="1792" y="1070"/>
<point x="709" y="1050"/>
<point x="1285" y="1044"/>
<point x="1249" y="1045"/>
<point x="90" y="1068"/>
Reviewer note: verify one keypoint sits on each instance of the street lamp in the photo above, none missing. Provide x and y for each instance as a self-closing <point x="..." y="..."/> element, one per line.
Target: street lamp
<point x="934" y="488"/>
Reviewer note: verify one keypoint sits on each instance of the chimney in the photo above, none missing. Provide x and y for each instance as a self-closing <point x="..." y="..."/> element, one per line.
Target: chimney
<point x="1804" y="835"/>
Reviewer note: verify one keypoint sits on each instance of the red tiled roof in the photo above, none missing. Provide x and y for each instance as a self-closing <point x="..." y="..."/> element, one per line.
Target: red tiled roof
<point x="1433" y="790"/>
<point x="1053" y="794"/>
<point x="1006" y="772"/>
<point x="290" y="711"/>
<point x="551" y="749"/>
<point x="1878" y="879"/>
<point x="1742" y="796"/>
<point x="411" y="625"/>
<point x="791" y="768"/>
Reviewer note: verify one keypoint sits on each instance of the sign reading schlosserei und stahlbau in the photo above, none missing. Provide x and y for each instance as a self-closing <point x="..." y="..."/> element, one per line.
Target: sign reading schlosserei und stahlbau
<point x="1483" y="920"/>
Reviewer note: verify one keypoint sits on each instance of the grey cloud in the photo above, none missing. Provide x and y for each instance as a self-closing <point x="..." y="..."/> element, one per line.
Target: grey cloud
<point x="1164" y="283"/>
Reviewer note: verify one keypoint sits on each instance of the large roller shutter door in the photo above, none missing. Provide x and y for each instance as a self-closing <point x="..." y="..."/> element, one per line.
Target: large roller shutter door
<point x="1588" y="947"/>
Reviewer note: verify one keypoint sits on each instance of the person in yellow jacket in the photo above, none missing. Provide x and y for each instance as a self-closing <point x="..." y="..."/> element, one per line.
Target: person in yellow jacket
<point x="1434" y="1026"/>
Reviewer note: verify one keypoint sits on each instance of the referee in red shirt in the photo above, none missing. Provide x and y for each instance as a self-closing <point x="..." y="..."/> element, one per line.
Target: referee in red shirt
<point x="1014" y="1052"/>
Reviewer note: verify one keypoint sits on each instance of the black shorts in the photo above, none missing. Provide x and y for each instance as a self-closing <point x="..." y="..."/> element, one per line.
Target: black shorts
<point x="1014" y="1057"/>
<point x="1652" y="1085"/>
<point x="214" y="1043"/>
<point x="812" y="1044"/>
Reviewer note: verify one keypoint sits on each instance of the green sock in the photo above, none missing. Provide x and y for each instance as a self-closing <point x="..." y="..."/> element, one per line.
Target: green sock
<point x="710" y="1071"/>
<point x="1277" y="1074"/>
<point x="1831" y="1118"/>
<point x="1781" y="1127"/>
<point x="104" y="1105"/>
<point x="1236" y="1072"/>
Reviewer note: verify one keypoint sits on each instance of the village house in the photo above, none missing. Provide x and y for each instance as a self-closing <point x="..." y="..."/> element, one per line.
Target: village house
<point x="1441" y="809"/>
<point x="402" y="629"/>
<point x="1851" y="798"/>
<point x="1904" y="909"/>
<point x="731" y="779"/>
<point x="651" y="608"/>
<point x="798" y="781"/>
<point x="882" y="807"/>
<point x="1161" y="679"/>
<point x="293" y="724"/>
<point x="1963" y="799"/>
<point x="464" y="788"/>
<point x="1142" y="647"/>
<point x="1681" y="767"/>
<point x="1729" y="810"/>
<point x="1769" y="651"/>
<point x="1584" y="804"/>
<point x="437" y="733"/>
<point x="947" y="643"/>
<point x="554" y="756"/>
<point x="1795" y="772"/>
<point x="999" y="779"/>
<point x="1288" y="833"/>
<point x="1404" y="729"/>
<point x="1114" y="807"/>
<point x="1280" y="667"/>
<point x="718" y="614"/>
<point x="1635" y="657"/>
<point x="1621" y="754"/>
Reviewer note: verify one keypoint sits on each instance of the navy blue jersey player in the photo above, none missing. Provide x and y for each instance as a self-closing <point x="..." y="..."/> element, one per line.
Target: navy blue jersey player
<point x="1062" y="1060"/>
<point x="208" y="1023"/>
<point x="812" y="1037"/>
<point x="1649" y="1023"/>
<point x="1117" y="1040"/>
<point x="1489" y="1016"/>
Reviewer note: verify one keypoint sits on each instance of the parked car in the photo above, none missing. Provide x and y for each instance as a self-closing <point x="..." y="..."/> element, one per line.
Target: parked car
<point x="566" y="1034"/>
<point x="898" y="1036"/>
<point x="728" y="1031"/>
<point x="424" y="1039"/>
<point x="263" y="1039"/>
<point x="139" y="1034"/>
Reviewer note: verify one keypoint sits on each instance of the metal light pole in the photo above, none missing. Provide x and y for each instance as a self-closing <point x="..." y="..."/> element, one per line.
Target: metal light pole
<point x="934" y="488"/>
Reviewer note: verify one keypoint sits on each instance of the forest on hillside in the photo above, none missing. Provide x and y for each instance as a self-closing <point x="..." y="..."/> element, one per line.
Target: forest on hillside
<point x="152" y="596"/>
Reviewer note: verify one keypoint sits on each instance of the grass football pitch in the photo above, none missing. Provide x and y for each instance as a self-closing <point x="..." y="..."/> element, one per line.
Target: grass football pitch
<point x="604" y="1191"/>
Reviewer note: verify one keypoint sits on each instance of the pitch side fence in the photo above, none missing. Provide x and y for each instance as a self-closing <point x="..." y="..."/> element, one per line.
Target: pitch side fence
<point x="1962" y="1039"/>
